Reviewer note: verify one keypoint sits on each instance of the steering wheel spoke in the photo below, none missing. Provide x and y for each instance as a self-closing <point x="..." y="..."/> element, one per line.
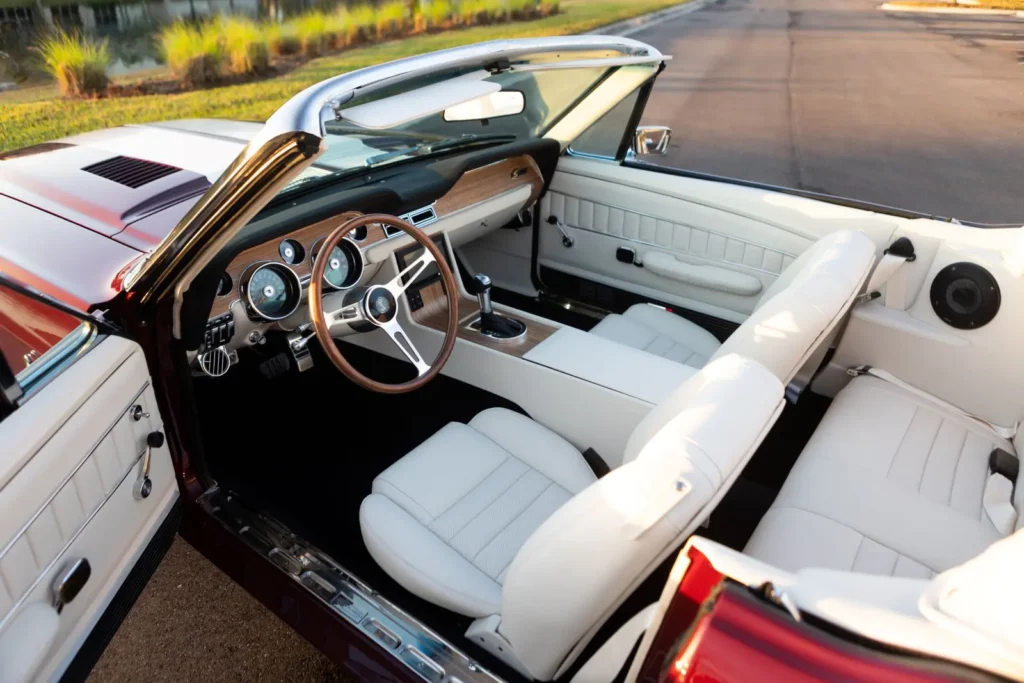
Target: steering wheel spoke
<point x="410" y="274"/>
<point x="352" y="313"/>
<point x="404" y="343"/>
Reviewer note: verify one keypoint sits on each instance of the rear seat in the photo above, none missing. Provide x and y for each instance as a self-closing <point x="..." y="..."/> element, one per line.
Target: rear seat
<point x="890" y="483"/>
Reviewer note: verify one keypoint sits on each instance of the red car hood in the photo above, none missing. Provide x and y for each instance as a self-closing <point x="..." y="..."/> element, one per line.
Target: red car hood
<point x="75" y="213"/>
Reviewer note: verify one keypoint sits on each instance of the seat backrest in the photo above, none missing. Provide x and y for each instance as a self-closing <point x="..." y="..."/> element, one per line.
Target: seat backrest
<point x="798" y="313"/>
<point x="585" y="559"/>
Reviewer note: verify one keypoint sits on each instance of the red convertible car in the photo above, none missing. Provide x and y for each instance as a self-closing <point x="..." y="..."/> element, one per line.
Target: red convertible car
<point x="441" y="370"/>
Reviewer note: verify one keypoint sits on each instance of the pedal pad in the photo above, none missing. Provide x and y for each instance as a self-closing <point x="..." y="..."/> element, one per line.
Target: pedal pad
<point x="276" y="366"/>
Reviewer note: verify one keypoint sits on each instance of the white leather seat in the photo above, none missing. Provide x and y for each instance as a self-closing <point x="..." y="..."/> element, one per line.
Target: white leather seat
<point x="890" y="483"/>
<point x="502" y="519"/>
<point x="792" y="320"/>
<point x="447" y="519"/>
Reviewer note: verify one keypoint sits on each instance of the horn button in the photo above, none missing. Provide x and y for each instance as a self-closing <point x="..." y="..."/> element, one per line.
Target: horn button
<point x="381" y="305"/>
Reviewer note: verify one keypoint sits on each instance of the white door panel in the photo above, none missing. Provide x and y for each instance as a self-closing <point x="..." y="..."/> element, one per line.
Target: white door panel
<point x="718" y="246"/>
<point x="70" y="460"/>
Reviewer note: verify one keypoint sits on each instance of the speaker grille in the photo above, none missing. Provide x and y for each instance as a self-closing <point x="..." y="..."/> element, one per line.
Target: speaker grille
<point x="965" y="296"/>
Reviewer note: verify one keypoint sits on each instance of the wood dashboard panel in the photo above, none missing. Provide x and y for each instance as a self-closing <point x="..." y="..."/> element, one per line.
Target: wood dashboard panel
<point x="434" y="315"/>
<point x="472" y="188"/>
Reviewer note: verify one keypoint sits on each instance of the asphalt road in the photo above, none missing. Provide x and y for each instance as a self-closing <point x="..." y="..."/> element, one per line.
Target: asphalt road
<point x="922" y="112"/>
<point x="916" y="111"/>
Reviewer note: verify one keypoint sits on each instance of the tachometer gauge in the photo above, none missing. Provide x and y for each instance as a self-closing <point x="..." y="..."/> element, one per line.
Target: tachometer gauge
<point x="273" y="291"/>
<point x="343" y="268"/>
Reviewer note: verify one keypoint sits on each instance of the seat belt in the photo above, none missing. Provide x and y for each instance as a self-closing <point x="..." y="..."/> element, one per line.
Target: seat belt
<point x="1004" y="467"/>
<point x="899" y="253"/>
<point x="1006" y="433"/>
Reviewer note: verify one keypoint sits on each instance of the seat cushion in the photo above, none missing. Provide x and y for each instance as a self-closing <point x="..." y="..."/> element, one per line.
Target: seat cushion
<point x="446" y="520"/>
<point x="660" y="332"/>
<point x="890" y="483"/>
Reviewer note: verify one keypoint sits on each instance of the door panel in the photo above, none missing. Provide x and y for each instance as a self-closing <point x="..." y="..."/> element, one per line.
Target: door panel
<point x="72" y="454"/>
<point x="713" y="247"/>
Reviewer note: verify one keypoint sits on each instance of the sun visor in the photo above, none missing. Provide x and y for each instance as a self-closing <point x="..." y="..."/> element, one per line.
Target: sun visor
<point x="409" y="106"/>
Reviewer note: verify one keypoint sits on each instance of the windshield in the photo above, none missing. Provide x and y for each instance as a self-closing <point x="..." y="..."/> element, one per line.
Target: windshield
<point x="354" y="146"/>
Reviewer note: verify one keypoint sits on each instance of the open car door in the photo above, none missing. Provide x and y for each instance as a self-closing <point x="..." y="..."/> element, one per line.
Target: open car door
<point x="88" y="498"/>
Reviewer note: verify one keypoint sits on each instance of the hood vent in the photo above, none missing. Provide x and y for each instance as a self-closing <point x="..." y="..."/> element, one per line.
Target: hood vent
<point x="133" y="173"/>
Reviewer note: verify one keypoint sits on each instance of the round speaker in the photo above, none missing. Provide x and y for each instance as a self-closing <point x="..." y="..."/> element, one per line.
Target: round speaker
<point x="965" y="295"/>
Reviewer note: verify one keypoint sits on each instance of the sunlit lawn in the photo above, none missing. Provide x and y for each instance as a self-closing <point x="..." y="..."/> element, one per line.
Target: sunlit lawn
<point x="40" y="116"/>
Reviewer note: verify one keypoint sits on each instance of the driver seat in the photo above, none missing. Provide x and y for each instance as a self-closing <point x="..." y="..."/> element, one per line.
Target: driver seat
<point x="503" y="520"/>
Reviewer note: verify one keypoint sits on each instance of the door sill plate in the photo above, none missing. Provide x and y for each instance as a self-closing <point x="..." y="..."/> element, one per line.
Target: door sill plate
<point x="410" y="642"/>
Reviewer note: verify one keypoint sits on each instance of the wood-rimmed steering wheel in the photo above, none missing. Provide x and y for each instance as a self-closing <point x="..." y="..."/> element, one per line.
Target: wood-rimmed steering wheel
<point x="376" y="306"/>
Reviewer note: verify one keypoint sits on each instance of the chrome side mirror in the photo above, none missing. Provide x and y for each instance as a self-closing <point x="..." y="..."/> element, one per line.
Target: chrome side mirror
<point x="651" y="140"/>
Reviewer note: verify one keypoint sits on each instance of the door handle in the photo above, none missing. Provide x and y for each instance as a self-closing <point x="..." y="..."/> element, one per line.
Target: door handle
<point x="143" y="485"/>
<point x="69" y="583"/>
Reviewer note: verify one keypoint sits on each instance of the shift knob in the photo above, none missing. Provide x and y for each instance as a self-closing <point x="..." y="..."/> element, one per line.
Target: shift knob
<point x="482" y="289"/>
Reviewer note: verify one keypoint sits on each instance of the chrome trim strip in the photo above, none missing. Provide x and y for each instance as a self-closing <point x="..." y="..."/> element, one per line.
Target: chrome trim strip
<point x="409" y="641"/>
<point x="56" y="359"/>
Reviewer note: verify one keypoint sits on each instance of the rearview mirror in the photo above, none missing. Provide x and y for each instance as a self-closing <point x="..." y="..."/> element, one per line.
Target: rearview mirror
<point x="490" y="106"/>
<point x="651" y="140"/>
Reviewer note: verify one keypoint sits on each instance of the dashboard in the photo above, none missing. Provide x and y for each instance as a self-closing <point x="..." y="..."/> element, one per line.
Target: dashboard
<point x="263" y="287"/>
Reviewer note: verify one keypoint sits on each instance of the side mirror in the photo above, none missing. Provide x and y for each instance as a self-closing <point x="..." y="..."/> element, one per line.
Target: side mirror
<point x="490" y="106"/>
<point x="651" y="140"/>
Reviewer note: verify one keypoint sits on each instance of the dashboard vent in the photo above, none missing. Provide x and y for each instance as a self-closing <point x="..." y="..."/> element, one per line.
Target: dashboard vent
<point x="419" y="218"/>
<point x="130" y="172"/>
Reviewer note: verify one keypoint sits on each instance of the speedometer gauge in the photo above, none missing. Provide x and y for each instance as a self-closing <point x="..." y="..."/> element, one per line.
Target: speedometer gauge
<point x="273" y="291"/>
<point x="338" y="268"/>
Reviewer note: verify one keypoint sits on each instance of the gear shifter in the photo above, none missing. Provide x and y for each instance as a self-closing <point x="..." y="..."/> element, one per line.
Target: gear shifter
<point x="490" y="323"/>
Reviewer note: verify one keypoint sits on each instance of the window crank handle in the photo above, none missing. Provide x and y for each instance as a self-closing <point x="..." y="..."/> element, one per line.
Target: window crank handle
<point x="567" y="240"/>
<point x="143" y="485"/>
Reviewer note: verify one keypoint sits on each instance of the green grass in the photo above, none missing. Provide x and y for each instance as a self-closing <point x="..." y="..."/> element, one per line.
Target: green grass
<point x="28" y="123"/>
<point x="245" y="45"/>
<point x="78" y="65"/>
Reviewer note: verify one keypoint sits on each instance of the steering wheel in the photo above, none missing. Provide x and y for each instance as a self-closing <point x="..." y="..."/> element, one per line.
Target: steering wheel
<point x="376" y="306"/>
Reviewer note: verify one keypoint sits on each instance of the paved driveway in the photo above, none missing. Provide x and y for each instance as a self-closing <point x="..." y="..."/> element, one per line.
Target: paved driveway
<point x="923" y="112"/>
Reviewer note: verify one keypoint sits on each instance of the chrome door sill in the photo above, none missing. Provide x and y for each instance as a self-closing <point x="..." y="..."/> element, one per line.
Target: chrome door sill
<point x="413" y="644"/>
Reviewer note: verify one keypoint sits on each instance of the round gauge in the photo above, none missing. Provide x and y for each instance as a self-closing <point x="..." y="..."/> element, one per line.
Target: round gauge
<point x="224" y="285"/>
<point x="273" y="291"/>
<point x="291" y="252"/>
<point x="359" y="234"/>
<point x="344" y="266"/>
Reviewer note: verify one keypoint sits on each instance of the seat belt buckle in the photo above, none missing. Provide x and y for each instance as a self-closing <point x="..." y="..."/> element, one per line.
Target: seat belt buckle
<point x="866" y="297"/>
<point x="858" y="370"/>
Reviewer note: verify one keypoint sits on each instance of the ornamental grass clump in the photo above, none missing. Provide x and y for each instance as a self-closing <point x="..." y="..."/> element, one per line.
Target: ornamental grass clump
<point x="472" y="12"/>
<point x="390" y="18"/>
<point x="78" y="64"/>
<point x="522" y="9"/>
<point x="194" y="54"/>
<point x="281" y="39"/>
<point x="342" y="29"/>
<point x="437" y="14"/>
<point x="312" y="31"/>
<point x="246" y="47"/>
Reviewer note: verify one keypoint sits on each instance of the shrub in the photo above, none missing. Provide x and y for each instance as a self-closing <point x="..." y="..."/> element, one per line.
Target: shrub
<point x="342" y="29"/>
<point x="245" y="46"/>
<point x="437" y="13"/>
<point x="193" y="54"/>
<point x="311" y="30"/>
<point x="281" y="39"/>
<point x="479" y="11"/>
<point x="521" y="9"/>
<point x="364" y="18"/>
<point x="548" y="7"/>
<point x="391" y="17"/>
<point x="78" y="64"/>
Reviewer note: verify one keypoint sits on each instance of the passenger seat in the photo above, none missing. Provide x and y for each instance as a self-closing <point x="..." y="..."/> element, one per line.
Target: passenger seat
<point x="792" y="320"/>
<point x="891" y="483"/>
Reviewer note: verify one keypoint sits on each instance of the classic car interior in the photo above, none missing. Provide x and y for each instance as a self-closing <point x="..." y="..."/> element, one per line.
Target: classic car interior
<point x="478" y="394"/>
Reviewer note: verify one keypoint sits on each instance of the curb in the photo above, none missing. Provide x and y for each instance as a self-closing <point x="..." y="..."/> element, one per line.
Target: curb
<point x="968" y="11"/>
<point x="630" y="26"/>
